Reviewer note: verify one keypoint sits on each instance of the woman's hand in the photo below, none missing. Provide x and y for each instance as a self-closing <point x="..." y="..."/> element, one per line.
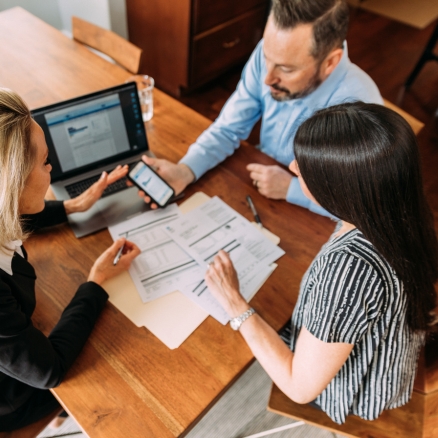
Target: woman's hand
<point x="87" y="199"/>
<point x="221" y="279"/>
<point x="104" y="268"/>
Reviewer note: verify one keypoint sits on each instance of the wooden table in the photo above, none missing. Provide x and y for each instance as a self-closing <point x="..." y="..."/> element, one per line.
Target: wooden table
<point x="126" y="383"/>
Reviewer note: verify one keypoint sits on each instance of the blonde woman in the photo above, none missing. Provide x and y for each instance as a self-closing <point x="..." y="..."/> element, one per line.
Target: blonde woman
<point x="30" y="362"/>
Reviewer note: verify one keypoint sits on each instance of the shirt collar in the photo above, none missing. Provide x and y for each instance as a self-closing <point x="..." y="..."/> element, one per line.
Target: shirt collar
<point x="6" y="255"/>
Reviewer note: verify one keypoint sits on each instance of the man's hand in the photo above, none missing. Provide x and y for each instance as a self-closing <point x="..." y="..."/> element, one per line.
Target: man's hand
<point x="271" y="181"/>
<point x="179" y="176"/>
<point x="87" y="199"/>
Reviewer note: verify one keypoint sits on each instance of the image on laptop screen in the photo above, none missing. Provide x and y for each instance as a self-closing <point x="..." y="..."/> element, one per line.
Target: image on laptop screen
<point x="88" y="131"/>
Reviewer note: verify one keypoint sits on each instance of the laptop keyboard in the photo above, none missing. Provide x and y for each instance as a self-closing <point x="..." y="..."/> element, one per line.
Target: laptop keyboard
<point x="79" y="187"/>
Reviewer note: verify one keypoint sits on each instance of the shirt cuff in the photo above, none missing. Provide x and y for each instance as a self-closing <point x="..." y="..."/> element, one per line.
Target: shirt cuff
<point x="195" y="163"/>
<point x="296" y="196"/>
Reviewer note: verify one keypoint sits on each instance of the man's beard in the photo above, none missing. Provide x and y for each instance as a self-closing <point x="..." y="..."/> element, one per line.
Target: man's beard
<point x="313" y="84"/>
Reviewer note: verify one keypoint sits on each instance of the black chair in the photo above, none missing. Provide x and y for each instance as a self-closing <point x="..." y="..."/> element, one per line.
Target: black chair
<point x="427" y="55"/>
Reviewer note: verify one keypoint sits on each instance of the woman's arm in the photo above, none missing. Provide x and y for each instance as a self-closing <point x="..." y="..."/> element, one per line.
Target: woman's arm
<point x="27" y="355"/>
<point x="301" y="376"/>
<point x="55" y="212"/>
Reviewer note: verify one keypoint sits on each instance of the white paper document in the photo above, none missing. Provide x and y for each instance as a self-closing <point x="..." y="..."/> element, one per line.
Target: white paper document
<point x="211" y="227"/>
<point x="163" y="266"/>
<point x="172" y="317"/>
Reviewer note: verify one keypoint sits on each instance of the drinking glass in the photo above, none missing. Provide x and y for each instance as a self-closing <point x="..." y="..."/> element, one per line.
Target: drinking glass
<point x="145" y="86"/>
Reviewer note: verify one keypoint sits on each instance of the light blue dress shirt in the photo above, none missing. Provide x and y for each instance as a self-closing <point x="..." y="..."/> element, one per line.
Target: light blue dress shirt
<point x="280" y="120"/>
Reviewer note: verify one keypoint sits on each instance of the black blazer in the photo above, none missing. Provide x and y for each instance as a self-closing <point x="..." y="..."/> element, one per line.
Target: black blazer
<point x="29" y="359"/>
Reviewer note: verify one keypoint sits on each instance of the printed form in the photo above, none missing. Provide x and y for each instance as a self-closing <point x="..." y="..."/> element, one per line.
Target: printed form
<point x="163" y="266"/>
<point x="213" y="226"/>
<point x="176" y="250"/>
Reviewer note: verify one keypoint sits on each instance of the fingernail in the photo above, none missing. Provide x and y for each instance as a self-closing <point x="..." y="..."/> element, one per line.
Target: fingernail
<point x="103" y="174"/>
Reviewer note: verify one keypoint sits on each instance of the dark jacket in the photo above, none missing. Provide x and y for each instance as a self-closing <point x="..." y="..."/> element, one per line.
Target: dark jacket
<point x="29" y="359"/>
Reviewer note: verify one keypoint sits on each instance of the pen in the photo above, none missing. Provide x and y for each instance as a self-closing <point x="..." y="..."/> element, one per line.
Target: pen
<point x="118" y="255"/>
<point x="254" y="211"/>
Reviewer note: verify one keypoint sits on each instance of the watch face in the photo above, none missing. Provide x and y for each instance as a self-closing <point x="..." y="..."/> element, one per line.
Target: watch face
<point x="235" y="323"/>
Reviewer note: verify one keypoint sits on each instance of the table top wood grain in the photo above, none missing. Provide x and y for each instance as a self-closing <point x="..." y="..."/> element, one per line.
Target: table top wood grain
<point x="126" y="382"/>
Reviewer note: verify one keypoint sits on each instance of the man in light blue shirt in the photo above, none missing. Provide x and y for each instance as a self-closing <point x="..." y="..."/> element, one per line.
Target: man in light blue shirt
<point x="301" y="65"/>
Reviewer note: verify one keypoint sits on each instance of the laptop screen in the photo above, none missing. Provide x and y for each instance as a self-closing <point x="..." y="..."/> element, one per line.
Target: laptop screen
<point x="93" y="130"/>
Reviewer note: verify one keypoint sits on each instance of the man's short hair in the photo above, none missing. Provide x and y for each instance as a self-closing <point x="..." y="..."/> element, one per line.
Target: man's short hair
<point x="328" y="17"/>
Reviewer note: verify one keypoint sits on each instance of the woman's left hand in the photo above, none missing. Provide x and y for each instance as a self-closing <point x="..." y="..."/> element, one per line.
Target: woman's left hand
<point x="221" y="279"/>
<point x="87" y="199"/>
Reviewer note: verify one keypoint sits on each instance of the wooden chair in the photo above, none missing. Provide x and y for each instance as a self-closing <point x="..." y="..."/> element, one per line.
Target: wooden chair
<point x="33" y="429"/>
<point x="120" y="50"/>
<point x="416" y="419"/>
<point x="404" y="422"/>
<point x="414" y="123"/>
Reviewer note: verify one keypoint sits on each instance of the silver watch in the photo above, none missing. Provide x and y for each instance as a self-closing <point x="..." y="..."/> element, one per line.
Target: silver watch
<point x="236" y="322"/>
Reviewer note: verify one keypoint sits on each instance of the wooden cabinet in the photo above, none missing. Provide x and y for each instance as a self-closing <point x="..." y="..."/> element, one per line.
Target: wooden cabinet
<point x="189" y="42"/>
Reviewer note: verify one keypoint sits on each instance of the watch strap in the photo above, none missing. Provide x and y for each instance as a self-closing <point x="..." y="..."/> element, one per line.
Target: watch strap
<point x="236" y="322"/>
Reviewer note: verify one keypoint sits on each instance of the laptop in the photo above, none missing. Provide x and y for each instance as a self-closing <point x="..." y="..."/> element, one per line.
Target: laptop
<point x="91" y="134"/>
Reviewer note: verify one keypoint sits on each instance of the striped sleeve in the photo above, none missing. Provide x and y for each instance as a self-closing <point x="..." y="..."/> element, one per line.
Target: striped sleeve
<point x="347" y="293"/>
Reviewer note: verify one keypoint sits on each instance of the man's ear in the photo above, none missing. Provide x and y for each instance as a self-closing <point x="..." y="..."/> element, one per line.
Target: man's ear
<point x="330" y="62"/>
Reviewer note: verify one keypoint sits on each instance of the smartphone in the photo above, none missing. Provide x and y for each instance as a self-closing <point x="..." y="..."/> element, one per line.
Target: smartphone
<point x="151" y="183"/>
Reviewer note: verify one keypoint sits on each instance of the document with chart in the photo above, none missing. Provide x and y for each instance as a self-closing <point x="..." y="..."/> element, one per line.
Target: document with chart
<point x="163" y="266"/>
<point x="213" y="226"/>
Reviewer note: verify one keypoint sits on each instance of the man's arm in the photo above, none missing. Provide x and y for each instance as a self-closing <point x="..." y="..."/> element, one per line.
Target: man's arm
<point x="296" y="196"/>
<point x="235" y="122"/>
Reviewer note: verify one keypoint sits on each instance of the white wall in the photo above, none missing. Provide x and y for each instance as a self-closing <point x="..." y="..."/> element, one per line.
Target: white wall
<point x="119" y="22"/>
<point x="95" y="11"/>
<point x="47" y="10"/>
<point x="110" y="14"/>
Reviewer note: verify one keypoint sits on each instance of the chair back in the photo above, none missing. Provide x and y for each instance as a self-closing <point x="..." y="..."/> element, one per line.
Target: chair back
<point x="122" y="51"/>
<point x="408" y="421"/>
<point x="414" y="123"/>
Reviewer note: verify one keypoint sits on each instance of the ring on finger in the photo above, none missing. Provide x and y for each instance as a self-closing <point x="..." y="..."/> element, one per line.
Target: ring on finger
<point x="255" y="183"/>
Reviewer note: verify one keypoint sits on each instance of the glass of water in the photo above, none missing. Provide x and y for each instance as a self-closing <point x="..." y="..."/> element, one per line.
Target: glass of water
<point x="145" y="86"/>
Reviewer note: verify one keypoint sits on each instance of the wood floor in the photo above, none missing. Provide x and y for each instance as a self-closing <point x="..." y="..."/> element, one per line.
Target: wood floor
<point x="387" y="51"/>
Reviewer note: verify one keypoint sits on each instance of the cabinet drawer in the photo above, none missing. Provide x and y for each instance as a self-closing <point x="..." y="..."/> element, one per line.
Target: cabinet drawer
<point x="223" y="46"/>
<point x="208" y="13"/>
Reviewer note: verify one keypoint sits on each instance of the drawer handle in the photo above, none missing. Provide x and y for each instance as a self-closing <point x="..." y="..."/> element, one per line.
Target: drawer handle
<point x="231" y="44"/>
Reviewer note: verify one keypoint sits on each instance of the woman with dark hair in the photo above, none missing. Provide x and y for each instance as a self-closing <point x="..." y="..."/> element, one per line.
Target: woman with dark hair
<point x="365" y="301"/>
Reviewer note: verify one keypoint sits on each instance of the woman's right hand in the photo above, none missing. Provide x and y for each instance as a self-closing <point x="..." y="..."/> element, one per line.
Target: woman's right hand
<point x="104" y="268"/>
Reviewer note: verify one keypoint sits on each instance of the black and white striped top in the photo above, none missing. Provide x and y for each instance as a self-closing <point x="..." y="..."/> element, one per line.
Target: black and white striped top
<point x="350" y="294"/>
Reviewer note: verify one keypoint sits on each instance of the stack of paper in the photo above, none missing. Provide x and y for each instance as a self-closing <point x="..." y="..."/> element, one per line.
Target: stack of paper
<point x="176" y="250"/>
<point x="215" y="226"/>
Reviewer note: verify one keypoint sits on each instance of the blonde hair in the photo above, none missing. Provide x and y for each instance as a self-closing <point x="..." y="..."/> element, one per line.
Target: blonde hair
<point x="17" y="159"/>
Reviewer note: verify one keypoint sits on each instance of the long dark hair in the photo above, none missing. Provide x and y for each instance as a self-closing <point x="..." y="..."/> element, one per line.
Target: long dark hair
<point x="361" y="163"/>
